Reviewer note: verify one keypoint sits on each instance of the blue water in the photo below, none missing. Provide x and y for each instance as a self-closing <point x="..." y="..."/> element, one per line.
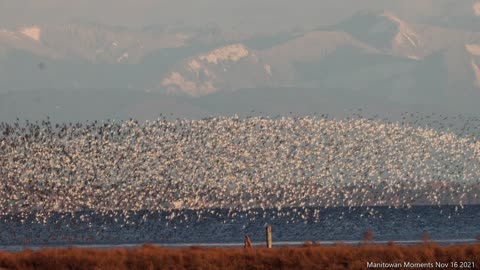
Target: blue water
<point x="445" y="224"/>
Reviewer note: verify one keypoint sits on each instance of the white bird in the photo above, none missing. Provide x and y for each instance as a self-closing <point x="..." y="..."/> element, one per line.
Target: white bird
<point x="115" y="169"/>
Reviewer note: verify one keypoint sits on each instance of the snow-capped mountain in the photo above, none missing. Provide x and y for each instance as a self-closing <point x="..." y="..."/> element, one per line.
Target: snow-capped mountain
<point x="476" y="8"/>
<point x="92" y="42"/>
<point x="384" y="31"/>
<point x="371" y="54"/>
<point x="225" y="68"/>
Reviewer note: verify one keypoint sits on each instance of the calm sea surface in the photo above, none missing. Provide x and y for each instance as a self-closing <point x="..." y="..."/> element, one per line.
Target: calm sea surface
<point x="445" y="224"/>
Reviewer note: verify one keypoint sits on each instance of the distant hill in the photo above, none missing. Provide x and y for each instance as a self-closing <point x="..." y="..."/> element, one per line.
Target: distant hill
<point x="373" y="59"/>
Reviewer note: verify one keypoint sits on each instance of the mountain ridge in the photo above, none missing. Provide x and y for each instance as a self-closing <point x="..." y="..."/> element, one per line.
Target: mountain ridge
<point x="370" y="53"/>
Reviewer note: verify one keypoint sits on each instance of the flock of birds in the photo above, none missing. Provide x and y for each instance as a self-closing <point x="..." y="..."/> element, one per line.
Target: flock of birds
<point x="237" y="163"/>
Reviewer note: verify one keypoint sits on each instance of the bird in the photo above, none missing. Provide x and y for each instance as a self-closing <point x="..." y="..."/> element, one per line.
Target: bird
<point x="113" y="169"/>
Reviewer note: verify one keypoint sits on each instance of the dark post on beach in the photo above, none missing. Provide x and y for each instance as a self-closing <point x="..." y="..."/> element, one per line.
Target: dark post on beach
<point x="248" y="242"/>
<point x="269" y="236"/>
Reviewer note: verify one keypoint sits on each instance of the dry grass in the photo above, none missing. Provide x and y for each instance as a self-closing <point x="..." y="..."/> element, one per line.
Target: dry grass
<point x="309" y="256"/>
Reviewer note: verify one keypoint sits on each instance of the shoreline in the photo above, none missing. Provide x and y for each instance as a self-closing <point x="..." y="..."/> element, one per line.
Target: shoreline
<point x="439" y="242"/>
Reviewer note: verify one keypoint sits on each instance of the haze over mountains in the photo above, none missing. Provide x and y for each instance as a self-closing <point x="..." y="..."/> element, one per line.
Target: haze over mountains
<point x="379" y="59"/>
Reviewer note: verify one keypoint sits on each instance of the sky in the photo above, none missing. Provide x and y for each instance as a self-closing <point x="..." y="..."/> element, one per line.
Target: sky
<point x="264" y="15"/>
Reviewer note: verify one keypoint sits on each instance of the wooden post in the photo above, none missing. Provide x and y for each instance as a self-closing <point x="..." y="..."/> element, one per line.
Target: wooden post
<point x="269" y="236"/>
<point x="248" y="242"/>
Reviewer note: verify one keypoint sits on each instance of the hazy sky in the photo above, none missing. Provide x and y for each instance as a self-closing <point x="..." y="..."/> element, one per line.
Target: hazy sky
<point x="264" y="15"/>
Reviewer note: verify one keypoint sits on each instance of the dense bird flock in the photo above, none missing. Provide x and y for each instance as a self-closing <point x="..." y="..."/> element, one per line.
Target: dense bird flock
<point x="231" y="162"/>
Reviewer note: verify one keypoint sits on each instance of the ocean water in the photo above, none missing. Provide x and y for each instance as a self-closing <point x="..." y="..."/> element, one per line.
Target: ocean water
<point x="224" y="227"/>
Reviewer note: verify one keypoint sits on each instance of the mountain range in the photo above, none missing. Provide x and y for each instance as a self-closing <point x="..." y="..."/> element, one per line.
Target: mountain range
<point x="376" y="60"/>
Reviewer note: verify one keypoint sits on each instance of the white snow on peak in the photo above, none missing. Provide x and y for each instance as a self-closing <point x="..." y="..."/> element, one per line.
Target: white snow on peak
<point x="268" y="69"/>
<point x="476" y="70"/>
<point x="476" y="8"/>
<point x="392" y="17"/>
<point x="232" y="53"/>
<point x="32" y="32"/>
<point x="8" y="33"/>
<point x="405" y="35"/>
<point x="474" y="49"/>
<point x="122" y="58"/>
<point x="199" y="77"/>
<point x="175" y="81"/>
<point x="197" y="67"/>
<point x="194" y="66"/>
